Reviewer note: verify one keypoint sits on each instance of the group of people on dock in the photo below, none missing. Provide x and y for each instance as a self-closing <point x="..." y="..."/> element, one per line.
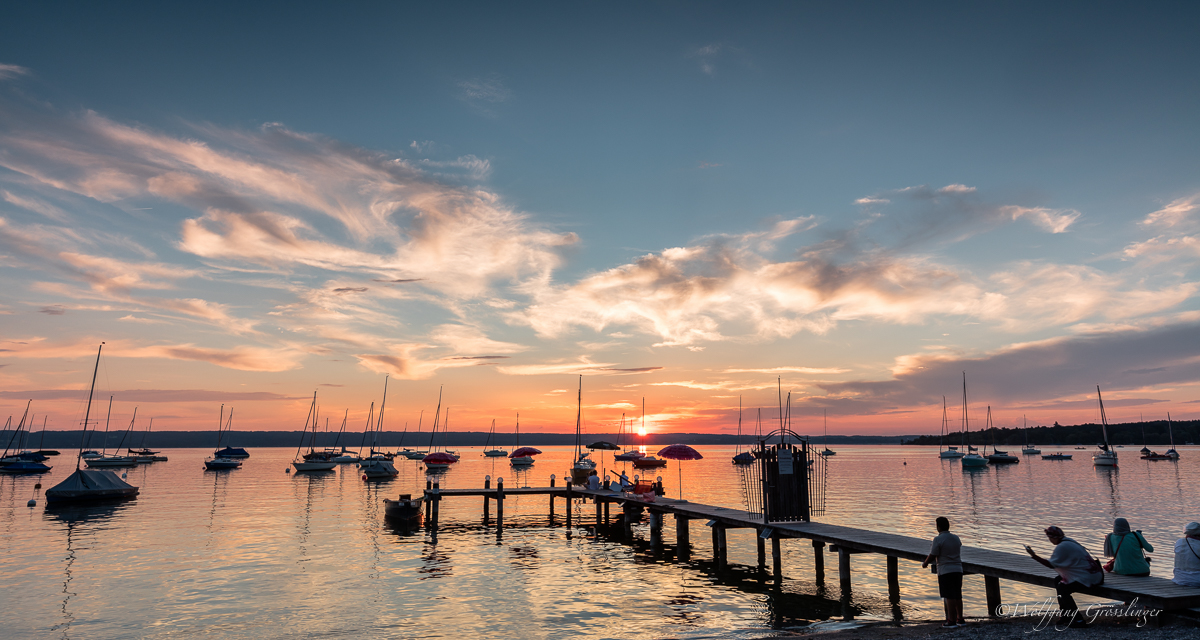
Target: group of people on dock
<point x="1076" y="568"/>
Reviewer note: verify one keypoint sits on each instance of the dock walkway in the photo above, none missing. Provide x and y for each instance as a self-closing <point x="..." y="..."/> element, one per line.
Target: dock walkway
<point x="1150" y="592"/>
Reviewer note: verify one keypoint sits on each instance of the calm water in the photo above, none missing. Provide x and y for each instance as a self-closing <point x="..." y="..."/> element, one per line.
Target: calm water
<point x="259" y="553"/>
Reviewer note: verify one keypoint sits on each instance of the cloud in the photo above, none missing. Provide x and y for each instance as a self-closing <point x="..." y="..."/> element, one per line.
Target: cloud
<point x="804" y="370"/>
<point x="483" y="93"/>
<point x="10" y="71"/>
<point x="1051" y="220"/>
<point x="584" y="365"/>
<point x="349" y="289"/>
<point x="154" y="395"/>
<point x="1175" y="213"/>
<point x="243" y="358"/>
<point x="53" y="310"/>
<point x="1043" y="373"/>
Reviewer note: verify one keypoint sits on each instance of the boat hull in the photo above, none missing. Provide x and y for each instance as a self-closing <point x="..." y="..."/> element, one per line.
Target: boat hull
<point x="378" y="469"/>
<point x="406" y="508"/>
<point x="521" y="461"/>
<point x="18" y="468"/>
<point x="314" y="466"/>
<point x="495" y="453"/>
<point x="1057" y="456"/>
<point x="649" y="463"/>
<point x="1105" y="460"/>
<point x="950" y="455"/>
<point x="222" y="463"/>
<point x="59" y="497"/>
<point x="105" y="462"/>
<point x="974" y="460"/>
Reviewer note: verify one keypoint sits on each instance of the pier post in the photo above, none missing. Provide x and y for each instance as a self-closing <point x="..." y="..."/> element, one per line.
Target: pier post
<point x="718" y="543"/>
<point x="606" y="503"/>
<point x="819" y="560"/>
<point x="991" y="588"/>
<point x="893" y="579"/>
<point x="776" y="558"/>
<point x="428" y="500"/>
<point x="844" y="579"/>
<point x="599" y="514"/>
<point x="683" y="543"/>
<point x="437" y="498"/>
<point x="570" y="508"/>
<point x="499" y="506"/>
<point x="552" y="500"/>
<point x="656" y="527"/>
<point x="844" y="569"/>
<point x="761" y="546"/>
<point x="487" y="504"/>
<point x="626" y="523"/>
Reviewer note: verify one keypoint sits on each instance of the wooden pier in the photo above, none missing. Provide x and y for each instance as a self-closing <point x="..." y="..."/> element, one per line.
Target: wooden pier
<point x="1150" y="592"/>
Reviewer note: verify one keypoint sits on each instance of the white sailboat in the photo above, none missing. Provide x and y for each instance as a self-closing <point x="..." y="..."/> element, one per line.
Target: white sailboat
<point x="522" y="460"/>
<point x="1171" y="453"/>
<point x="948" y="453"/>
<point x="998" y="456"/>
<point x="311" y="462"/>
<point x="1106" y="457"/>
<point x="493" y="453"/>
<point x="1028" y="449"/>
<point x="827" y="451"/>
<point x="971" y="459"/>
<point x="218" y="462"/>
<point x="105" y="460"/>
<point x="583" y="466"/>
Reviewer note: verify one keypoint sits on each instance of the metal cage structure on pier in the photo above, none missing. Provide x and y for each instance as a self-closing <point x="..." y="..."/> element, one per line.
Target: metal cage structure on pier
<point x="787" y="481"/>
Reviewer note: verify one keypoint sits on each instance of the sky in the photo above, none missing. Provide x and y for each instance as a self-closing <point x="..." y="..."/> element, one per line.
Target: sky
<point x="696" y="205"/>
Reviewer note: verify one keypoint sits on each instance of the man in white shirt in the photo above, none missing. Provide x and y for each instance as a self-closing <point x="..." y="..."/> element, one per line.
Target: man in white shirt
<point x="946" y="554"/>
<point x="1187" y="557"/>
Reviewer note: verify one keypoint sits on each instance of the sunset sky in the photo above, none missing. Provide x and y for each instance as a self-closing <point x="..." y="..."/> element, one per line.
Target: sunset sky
<point x="680" y="201"/>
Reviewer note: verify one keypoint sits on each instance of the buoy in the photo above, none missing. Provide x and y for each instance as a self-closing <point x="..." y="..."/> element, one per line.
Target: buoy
<point x="364" y="476"/>
<point x="123" y="475"/>
<point x="287" y="470"/>
<point x="32" y="502"/>
<point x="37" y="486"/>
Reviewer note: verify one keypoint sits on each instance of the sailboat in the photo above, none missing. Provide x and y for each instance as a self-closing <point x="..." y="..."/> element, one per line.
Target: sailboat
<point x="949" y="453"/>
<point x="583" y="466"/>
<point x="632" y="453"/>
<point x="143" y="454"/>
<point x="493" y="453"/>
<point x="114" y="460"/>
<point x="1028" y="449"/>
<point x="646" y="461"/>
<point x="827" y="451"/>
<point x="309" y="462"/>
<point x="23" y="461"/>
<point x="379" y="465"/>
<point x="218" y="462"/>
<point x="89" y="485"/>
<point x="521" y="460"/>
<point x="343" y="456"/>
<point x="972" y="459"/>
<point x="739" y="456"/>
<point x="436" y="460"/>
<point x="998" y="456"/>
<point x="1171" y="453"/>
<point x="1106" y="457"/>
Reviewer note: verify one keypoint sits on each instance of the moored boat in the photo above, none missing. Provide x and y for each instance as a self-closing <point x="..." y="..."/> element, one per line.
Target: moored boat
<point x="972" y="460"/>
<point x="1106" y="457"/>
<point x="219" y="462"/>
<point x="405" y="508"/>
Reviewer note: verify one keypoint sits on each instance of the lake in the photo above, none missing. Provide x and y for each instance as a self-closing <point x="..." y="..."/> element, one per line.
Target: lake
<point x="257" y="552"/>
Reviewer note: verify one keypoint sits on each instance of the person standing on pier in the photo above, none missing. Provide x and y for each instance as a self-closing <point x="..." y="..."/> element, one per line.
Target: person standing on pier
<point x="945" y="555"/>
<point x="1076" y="568"/>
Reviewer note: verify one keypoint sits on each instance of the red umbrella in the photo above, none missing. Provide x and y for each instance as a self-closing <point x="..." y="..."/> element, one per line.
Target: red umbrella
<point x="524" y="451"/>
<point x="680" y="452"/>
<point x="439" y="457"/>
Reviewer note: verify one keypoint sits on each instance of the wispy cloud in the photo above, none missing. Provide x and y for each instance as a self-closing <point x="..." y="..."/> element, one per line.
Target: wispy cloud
<point x="9" y="71"/>
<point x="484" y="93"/>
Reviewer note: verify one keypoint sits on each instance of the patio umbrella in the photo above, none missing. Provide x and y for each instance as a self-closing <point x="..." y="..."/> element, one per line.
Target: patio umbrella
<point x="524" y="451"/>
<point x="680" y="452"/>
<point x="603" y="446"/>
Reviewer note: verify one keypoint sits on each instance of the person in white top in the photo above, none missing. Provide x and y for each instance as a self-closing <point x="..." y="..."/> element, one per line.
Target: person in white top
<point x="1076" y="570"/>
<point x="593" y="481"/>
<point x="1187" y="556"/>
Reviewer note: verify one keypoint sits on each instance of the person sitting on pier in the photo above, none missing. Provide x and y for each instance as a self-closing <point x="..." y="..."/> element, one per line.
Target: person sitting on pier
<point x="1076" y="568"/>
<point x="945" y="555"/>
<point x="593" y="483"/>
<point x="626" y="485"/>
<point x="1187" y="557"/>
<point x="1131" y="561"/>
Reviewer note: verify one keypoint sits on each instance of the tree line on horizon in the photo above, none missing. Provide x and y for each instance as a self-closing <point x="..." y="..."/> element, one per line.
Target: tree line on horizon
<point x="1147" y="433"/>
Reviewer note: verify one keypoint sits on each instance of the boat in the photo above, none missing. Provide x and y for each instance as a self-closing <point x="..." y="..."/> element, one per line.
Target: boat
<point x="521" y="456"/>
<point x="633" y="454"/>
<point x="218" y="462"/>
<point x="997" y="456"/>
<point x="21" y="467"/>
<point x="1028" y="449"/>
<point x="582" y="467"/>
<point x="1172" y="453"/>
<point x="310" y="462"/>
<point x="89" y="485"/>
<point x="949" y="453"/>
<point x="378" y="469"/>
<point x="405" y="508"/>
<point x="493" y="453"/>
<point x="826" y="451"/>
<point x="1156" y="456"/>
<point x="104" y="459"/>
<point x="972" y="460"/>
<point x="649" y="462"/>
<point x="739" y="456"/>
<point x="1106" y="457"/>
<point x="436" y="460"/>
<point x="1056" y="456"/>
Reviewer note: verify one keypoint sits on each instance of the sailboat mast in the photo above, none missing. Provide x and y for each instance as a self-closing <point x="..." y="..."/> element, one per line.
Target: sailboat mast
<point x="965" y="420"/>
<point x="1103" y="418"/>
<point x="88" y="413"/>
<point x="382" y="406"/>
<point x="435" y="421"/>
<point x="579" y="419"/>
